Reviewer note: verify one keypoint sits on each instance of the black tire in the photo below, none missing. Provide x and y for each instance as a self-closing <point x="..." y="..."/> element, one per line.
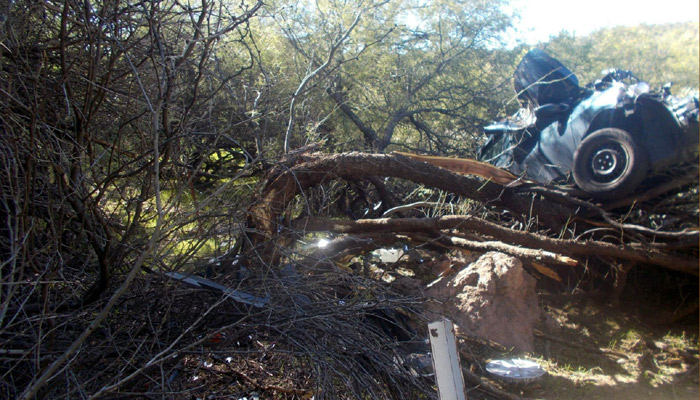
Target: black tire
<point x="609" y="164"/>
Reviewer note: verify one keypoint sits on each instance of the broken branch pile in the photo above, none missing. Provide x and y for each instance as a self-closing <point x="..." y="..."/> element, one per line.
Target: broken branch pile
<point x="561" y="230"/>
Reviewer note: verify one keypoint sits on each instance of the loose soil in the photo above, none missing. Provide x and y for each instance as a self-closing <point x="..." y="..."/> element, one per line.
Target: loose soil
<point x="644" y="348"/>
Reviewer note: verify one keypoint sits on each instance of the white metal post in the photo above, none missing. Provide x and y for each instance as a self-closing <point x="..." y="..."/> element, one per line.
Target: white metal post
<point x="446" y="360"/>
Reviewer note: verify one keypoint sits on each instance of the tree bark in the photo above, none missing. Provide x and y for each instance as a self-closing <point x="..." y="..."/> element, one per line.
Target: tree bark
<point x="506" y="237"/>
<point x="268" y="230"/>
<point x="284" y="182"/>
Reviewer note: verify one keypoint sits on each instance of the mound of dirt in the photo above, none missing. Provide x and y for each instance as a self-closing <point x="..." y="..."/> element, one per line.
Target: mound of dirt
<point x="493" y="299"/>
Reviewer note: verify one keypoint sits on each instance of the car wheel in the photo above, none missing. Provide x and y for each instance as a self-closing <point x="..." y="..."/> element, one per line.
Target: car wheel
<point x="609" y="164"/>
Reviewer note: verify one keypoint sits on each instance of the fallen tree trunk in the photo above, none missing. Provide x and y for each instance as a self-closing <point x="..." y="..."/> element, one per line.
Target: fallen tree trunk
<point x="271" y="228"/>
<point x="284" y="182"/>
<point x="573" y="248"/>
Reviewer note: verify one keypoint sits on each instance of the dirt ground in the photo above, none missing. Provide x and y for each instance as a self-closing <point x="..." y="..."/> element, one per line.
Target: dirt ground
<point x="644" y="348"/>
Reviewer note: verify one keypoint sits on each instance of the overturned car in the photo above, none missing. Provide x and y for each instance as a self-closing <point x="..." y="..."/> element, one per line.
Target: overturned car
<point x="608" y="136"/>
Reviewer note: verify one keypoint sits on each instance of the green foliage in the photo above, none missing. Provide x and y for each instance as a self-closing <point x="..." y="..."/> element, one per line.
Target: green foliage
<point x="92" y="92"/>
<point x="410" y="74"/>
<point x="135" y="132"/>
<point x="655" y="53"/>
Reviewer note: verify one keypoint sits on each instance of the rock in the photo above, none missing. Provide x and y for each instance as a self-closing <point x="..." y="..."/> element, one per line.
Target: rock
<point x="492" y="298"/>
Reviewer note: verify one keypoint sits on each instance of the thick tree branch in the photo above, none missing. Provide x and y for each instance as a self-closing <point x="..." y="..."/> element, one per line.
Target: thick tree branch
<point x="283" y="183"/>
<point x="369" y="134"/>
<point x="569" y="248"/>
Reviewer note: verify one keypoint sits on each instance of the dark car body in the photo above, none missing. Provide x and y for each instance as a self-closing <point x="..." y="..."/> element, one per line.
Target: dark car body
<point x="609" y="136"/>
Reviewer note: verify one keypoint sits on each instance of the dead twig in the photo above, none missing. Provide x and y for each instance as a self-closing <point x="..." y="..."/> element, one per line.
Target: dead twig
<point x="517" y="251"/>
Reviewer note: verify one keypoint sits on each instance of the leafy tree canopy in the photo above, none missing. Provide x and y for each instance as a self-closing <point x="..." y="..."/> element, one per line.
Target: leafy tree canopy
<point x="657" y="54"/>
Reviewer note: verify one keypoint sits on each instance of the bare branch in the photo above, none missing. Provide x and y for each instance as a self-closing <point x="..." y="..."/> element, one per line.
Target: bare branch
<point x="302" y="86"/>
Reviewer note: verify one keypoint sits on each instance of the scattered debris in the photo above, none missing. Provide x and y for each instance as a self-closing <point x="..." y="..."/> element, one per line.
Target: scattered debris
<point x="202" y="283"/>
<point x="516" y="370"/>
